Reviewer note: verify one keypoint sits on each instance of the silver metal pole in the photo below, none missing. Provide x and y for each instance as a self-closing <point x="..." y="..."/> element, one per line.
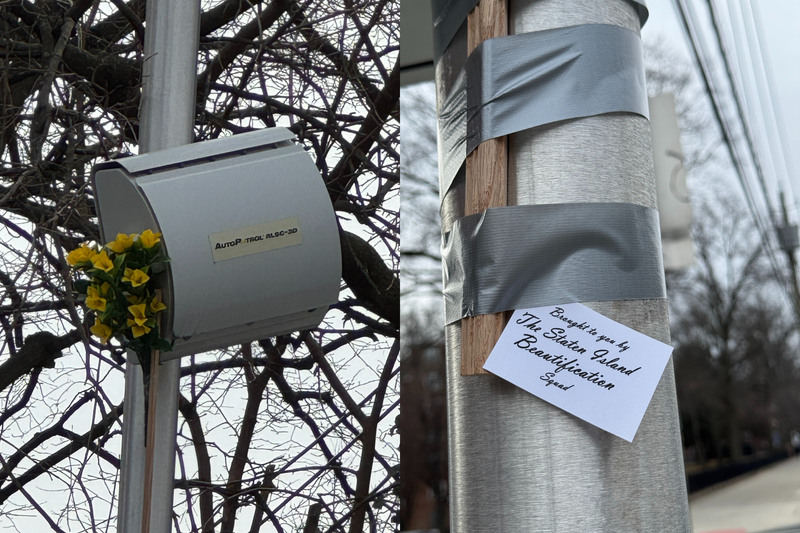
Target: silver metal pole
<point x="131" y="490"/>
<point x="518" y="464"/>
<point x="166" y="120"/>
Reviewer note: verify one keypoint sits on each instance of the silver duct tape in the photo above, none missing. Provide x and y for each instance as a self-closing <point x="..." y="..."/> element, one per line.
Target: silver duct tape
<point x="448" y="15"/>
<point x="525" y="256"/>
<point x="452" y="123"/>
<point x="522" y="81"/>
<point x="451" y="100"/>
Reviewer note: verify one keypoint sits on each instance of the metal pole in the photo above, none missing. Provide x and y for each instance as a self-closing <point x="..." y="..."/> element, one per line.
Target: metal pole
<point x="789" y="249"/>
<point x="166" y="120"/>
<point x="518" y="464"/>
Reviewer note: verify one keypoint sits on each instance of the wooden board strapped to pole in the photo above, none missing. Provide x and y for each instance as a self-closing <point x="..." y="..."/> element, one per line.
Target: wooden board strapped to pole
<point x="150" y="447"/>
<point x="487" y="169"/>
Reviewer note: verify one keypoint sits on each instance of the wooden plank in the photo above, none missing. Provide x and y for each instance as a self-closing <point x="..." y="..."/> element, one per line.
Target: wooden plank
<point x="487" y="169"/>
<point x="150" y="451"/>
<point x="149" y="461"/>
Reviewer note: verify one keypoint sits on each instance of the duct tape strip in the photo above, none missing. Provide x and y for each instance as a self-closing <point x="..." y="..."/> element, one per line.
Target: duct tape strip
<point x="523" y="81"/>
<point x="448" y="15"/>
<point x="535" y="255"/>
<point x="574" y="72"/>
<point x="452" y="121"/>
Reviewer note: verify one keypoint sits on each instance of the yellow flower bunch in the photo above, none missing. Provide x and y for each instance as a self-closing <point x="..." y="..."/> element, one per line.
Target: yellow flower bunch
<point x="120" y="291"/>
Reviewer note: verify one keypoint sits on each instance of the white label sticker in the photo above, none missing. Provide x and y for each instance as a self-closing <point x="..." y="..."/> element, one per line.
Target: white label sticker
<point x="255" y="239"/>
<point x="578" y="360"/>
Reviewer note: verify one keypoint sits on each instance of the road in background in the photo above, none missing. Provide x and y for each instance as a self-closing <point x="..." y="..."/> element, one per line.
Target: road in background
<point x="761" y="502"/>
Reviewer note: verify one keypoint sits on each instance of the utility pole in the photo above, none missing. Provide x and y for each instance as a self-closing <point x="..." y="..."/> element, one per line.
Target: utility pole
<point x="517" y="463"/>
<point x="169" y="80"/>
<point x="788" y="239"/>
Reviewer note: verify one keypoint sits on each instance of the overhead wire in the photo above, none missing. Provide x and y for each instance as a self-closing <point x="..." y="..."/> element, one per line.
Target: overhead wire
<point x="750" y="100"/>
<point x="779" y="150"/>
<point x="751" y="86"/>
<point x="777" y="111"/>
<point x="755" y="157"/>
<point x="708" y="82"/>
<point x="740" y="108"/>
<point x="700" y="53"/>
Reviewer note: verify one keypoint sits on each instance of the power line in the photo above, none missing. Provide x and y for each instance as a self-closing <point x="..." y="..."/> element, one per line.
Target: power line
<point x="743" y="118"/>
<point x="708" y="82"/>
<point x="700" y="53"/>
<point x="700" y="56"/>
<point x="752" y="88"/>
<point x="773" y="94"/>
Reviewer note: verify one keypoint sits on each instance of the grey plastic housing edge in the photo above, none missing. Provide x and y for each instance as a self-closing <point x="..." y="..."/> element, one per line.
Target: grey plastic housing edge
<point x="193" y="191"/>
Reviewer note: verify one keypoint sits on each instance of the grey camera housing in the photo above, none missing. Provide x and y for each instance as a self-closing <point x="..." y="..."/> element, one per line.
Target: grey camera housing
<point x="250" y="230"/>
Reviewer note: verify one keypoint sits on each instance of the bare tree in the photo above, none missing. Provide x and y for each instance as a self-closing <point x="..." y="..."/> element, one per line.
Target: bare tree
<point x="293" y="433"/>
<point x="730" y="325"/>
<point x="734" y="338"/>
<point x="712" y="303"/>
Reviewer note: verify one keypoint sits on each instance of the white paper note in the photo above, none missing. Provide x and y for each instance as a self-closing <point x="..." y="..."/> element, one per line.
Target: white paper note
<point x="578" y="360"/>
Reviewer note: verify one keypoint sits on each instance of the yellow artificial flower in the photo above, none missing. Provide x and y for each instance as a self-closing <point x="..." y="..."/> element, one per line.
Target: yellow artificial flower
<point x="157" y="305"/>
<point x="136" y="329"/>
<point x="133" y="299"/>
<point x="79" y="255"/>
<point x="101" y="331"/>
<point x="105" y="288"/>
<point x="135" y="277"/>
<point x="93" y="299"/>
<point x="122" y="242"/>
<point x="149" y="239"/>
<point x="102" y="262"/>
<point x="138" y="312"/>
